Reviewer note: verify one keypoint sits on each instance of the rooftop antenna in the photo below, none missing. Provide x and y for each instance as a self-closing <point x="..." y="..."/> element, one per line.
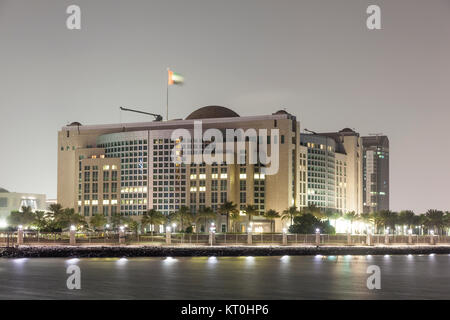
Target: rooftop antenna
<point x="310" y="131"/>
<point x="157" y="116"/>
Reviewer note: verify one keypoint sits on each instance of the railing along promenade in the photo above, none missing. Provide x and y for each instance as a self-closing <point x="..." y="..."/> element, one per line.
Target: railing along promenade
<point x="35" y="238"/>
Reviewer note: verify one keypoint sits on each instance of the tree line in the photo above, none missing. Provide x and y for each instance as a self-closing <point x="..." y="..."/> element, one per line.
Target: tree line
<point x="304" y="220"/>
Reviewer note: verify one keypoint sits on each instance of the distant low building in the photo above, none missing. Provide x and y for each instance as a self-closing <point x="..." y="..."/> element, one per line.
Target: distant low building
<point x="14" y="201"/>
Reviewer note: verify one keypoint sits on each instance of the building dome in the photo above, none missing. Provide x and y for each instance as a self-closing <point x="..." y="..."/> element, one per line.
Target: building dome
<point x="347" y="130"/>
<point x="209" y="112"/>
<point x="281" y="112"/>
<point x="2" y="190"/>
<point x="75" y="124"/>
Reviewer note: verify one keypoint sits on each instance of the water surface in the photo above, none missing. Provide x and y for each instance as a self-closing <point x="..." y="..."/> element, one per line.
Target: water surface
<point x="288" y="277"/>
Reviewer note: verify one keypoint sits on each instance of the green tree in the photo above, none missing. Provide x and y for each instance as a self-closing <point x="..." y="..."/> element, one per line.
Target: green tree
<point x="206" y="215"/>
<point x="98" y="221"/>
<point x="351" y="217"/>
<point x="307" y="224"/>
<point x="183" y="217"/>
<point x="315" y="211"/>
<point x="407" y="218"/>
<point x="435" y="220"/>
<point x="24" y="218"/>
<point x="68" y="217"/>
<point x="251" y="211"/>
<point x="133" y="225"/>
<point x="40" y="221"/>
<point x="235" y="217"/>
<point x="153" y="217"/>
<point x="228" y="208"/>
<point x="118" y="220"/>
<point x="272" y="215"/>
<point x="289" y="214"/>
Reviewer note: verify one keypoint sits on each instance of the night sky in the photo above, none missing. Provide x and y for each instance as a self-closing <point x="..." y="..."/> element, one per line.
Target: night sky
<point x="315" y="58"/>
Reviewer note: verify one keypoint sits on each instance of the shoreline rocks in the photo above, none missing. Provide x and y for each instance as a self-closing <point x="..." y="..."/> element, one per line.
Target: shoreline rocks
<point x="219" y="251"/>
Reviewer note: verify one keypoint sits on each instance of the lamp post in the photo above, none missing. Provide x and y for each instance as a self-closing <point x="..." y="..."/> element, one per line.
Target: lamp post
<point x="250" y="234"/>
<point x="212" y="234"/>
<point x="317" y="236"/>
<point x="20" y="235"/>
<point x="284" y="236"/>
<point x="386" y="236"/>
<point x="410" y="236"/>
<point x="121" y="234"/>
<point x="369" y="237"/>
<point x="432" y="242"/>
<point x="72" y="231"/>
<point x="168" y="235"/>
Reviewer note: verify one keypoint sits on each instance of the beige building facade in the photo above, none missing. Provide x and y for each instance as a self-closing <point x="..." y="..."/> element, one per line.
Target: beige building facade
<point x="139" y="155"/>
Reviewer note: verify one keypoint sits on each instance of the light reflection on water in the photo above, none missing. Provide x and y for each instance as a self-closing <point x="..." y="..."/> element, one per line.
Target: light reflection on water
<point x="286" y="277"/>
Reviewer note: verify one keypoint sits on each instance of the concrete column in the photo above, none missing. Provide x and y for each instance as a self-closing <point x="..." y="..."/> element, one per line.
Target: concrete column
<point x="432" y="240"/>
<point x="317" y="237"/>
<point x="410" y="241"/>
<point x="386" y="238"/>
<point x="284" y="239"/>
<point x="168" y="235"/>
<point x="121" y="235"/>
<point x="249" y="237"/>
<point x="369" y="239"/>
<point x="20" y="236"/>
<point x="72" y="240"/>
<point x="349" y="238"/>
<point x="212" y="238"/>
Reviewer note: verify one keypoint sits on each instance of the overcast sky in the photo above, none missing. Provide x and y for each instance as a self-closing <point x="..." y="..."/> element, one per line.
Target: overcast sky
<point x="315" y="58"/>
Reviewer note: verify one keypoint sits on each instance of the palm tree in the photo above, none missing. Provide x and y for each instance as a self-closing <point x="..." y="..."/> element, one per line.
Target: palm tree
<point x="315" y="211"/>
<point x="55" y="210"/>
<point x="289" y="214"/>
<point x="153" y="217"/>
<point x="272" y="215"/>
<point x="118" y="220"/>
<point x="97" y="221"/>
<point x="205" y="214"/>
<point x="366" y="218"/>
<point x="227" y="208"/>
<point x="182" y="216"/>
<point x="235" y="217"/>
<point x="68" y="217"/>
<point x="391" y="219"/>
<point x="351" y="216"/>
<point x="40" y="220"/>
<point x="24" y="218"/>
<point x="435" y="220"/>
<point x="407" y="218"/>
<point x="250" y="212"/>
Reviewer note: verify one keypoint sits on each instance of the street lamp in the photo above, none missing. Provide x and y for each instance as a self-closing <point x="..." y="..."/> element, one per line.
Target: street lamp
<point x="122" y="228"/>
<point x="20" y="227"/>
<point x="73" y="228"/>
<point x="317" y="230"/>
<point x="410" y="231"/>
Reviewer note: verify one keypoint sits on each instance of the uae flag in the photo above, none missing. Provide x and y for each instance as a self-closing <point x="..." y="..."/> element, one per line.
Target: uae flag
<point x="174" y="78"/>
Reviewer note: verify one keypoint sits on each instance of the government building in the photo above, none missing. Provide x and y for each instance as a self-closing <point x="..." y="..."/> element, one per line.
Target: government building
<point x="127" y="169"/>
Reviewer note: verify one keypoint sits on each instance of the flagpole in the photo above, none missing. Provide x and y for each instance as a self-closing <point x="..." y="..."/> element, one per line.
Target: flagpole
<point x="167" y="97"/>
